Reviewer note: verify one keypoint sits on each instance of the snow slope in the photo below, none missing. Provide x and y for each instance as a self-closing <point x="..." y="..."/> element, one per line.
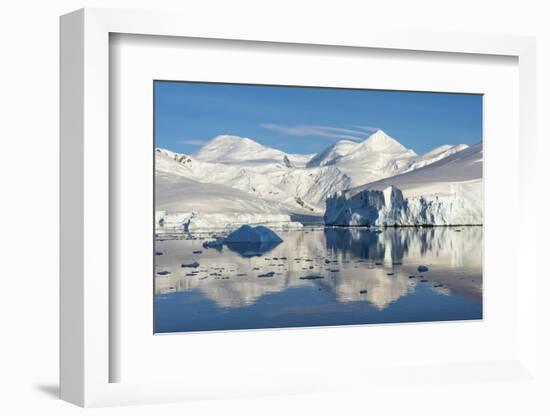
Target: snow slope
<point x="305" y="189"/>
<point x="446" y="192"/>
<point x="185" y="204"/>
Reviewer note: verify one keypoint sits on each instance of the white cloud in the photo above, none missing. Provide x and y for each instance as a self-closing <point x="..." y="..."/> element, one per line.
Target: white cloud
<point x="369" y="129"/>
<point x="193" y="142"/>
<point x="357" y="133"/>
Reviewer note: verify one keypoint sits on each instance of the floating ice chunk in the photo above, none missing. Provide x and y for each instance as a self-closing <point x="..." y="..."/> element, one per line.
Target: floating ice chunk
<point x="252" y="241"/>
<point x="193" y="264"/>
<point x="248" y="234"/>
<point x="213" y="244"/>
<point x="312" y="277"/>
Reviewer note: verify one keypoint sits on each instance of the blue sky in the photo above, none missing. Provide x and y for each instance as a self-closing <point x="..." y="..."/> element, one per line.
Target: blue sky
<point x="307" y="120"/>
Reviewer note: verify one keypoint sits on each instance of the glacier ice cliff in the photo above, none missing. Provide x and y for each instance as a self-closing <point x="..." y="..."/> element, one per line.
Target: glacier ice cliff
<point x="446" y="192"/>
<point x="389" y="207"/>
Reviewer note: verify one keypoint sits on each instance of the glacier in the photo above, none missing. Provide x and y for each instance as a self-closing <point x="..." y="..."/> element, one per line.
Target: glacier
<point x="447" y="192"/>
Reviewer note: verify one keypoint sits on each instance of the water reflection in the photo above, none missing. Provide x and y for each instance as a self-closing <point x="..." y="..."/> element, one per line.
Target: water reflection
<point x="252" y="249"/>
<point x="355" y="265"/>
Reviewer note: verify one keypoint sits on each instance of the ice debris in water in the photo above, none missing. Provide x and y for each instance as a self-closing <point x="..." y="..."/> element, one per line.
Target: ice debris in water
<point x="213" y="244"/>
<point x="312" y="277"/>
<point x="193" y="264"/>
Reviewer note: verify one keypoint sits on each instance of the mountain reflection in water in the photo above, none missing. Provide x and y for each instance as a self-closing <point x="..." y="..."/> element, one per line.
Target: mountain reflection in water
<point x="319" y="276"/>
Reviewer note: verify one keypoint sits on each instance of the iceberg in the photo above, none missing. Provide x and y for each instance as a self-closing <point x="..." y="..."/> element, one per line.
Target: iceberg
<point x="252" y="241"/>
<point x="248" y="234"/>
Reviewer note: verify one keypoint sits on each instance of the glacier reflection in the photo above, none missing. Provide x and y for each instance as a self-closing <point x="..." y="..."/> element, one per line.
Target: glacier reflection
<point x="358" y="267"/>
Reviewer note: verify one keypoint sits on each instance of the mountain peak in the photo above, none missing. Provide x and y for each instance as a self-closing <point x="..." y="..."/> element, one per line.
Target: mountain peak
<point x="381" y="142"/>
<point x="230" y="139"/>
<point x="234" y="149"/>
<point x="333" y="153"/>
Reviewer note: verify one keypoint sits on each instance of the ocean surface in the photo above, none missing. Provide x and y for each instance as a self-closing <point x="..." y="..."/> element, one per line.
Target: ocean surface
<point x="319" y="276"/>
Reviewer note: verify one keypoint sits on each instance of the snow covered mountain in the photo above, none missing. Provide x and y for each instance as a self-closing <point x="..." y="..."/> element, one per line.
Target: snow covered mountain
<point x="244" y="151"/>
<point x="377" y="157"/>
<point x="446" y="192"/>
<point x="333" y="153"/>
<point x="272" y="180"/>
<point x="233" y="180"/>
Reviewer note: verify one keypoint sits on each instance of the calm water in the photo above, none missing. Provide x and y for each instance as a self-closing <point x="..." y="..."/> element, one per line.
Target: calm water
<point x="319" y="276"/>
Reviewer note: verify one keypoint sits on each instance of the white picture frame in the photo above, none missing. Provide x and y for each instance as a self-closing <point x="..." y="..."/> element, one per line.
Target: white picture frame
<point x="86" y="353"/>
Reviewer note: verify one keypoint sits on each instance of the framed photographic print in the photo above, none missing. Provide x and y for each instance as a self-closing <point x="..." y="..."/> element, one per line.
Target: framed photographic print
<point x="329" y="223"/>
<point x="248" y="211"/>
